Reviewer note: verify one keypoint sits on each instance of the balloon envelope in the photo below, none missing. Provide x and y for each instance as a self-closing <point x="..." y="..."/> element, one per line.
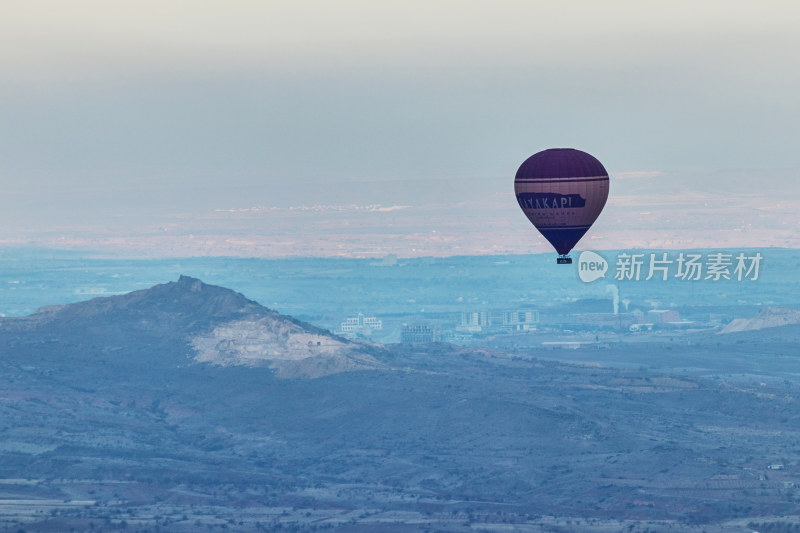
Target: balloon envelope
<point x="562" y="191"/>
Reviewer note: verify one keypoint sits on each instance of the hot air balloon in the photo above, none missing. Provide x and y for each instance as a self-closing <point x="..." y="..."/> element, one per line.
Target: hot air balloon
<point x="562" y="191"/>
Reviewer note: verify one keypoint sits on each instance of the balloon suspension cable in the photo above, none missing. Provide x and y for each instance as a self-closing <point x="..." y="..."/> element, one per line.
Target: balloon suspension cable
<point x="564" y="260"/>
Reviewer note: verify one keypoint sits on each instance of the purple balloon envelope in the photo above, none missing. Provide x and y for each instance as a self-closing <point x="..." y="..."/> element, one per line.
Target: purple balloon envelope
<point x="562" y="191"/>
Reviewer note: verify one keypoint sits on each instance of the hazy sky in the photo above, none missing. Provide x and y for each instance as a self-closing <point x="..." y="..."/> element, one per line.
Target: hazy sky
<point x="135" y="119"/>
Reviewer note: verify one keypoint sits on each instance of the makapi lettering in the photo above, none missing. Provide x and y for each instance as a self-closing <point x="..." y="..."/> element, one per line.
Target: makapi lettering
<point x="550" y="200"/>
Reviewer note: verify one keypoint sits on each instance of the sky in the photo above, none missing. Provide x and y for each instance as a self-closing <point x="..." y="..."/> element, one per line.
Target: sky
<point x="363" y="128"/>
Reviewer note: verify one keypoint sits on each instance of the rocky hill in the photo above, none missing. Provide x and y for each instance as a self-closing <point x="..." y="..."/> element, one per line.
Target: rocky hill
<point x="770" y="317"/>
<point x="188" y="318"/>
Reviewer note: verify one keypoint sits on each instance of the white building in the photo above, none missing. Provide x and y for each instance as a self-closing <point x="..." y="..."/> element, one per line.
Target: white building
<point x="474" y="321"/>
<point x="485" y="321"/>
<point x="520" y="320"/>
<point x="360" y="325"/>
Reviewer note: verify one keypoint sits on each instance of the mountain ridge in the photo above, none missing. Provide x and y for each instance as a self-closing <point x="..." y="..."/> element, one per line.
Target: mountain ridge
<point x="218" y="326"/>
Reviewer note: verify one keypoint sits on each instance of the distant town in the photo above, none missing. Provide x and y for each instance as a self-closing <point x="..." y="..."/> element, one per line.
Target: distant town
<point x="470" y="326"/>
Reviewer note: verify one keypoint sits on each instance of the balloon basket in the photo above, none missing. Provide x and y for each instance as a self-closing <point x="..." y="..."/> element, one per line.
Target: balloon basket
<point x="564" y="260"/>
